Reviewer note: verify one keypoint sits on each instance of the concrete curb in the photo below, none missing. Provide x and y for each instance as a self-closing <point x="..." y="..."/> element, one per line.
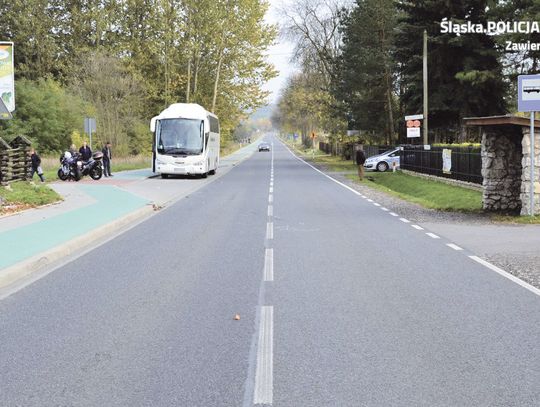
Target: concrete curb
<point x="27" y="271"/>
<point x="26" y="268"/>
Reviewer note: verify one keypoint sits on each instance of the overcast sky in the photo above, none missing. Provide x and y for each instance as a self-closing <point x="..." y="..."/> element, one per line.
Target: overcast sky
<point x="279" y="55"/>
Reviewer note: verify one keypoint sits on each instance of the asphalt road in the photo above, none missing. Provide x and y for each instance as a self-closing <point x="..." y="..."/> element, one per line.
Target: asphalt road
<point x="341" y="303"/>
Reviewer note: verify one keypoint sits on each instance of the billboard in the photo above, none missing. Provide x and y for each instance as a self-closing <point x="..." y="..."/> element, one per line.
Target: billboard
<point x="7" y="75"/>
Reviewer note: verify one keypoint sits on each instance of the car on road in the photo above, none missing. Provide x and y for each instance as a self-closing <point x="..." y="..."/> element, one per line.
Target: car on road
<point x="264" y="147"/>
<point x="383" y="162"/>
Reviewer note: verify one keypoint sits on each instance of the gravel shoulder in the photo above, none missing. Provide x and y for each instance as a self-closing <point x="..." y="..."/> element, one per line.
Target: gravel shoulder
<point x="514" y="248"/>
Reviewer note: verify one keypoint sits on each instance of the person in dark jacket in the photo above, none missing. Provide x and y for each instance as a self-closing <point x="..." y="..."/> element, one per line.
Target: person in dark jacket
<point x="107" y="157"/>
<point x="36" y="165"/>
<point x="85" y="151"/>
<point x="360" y="160"/>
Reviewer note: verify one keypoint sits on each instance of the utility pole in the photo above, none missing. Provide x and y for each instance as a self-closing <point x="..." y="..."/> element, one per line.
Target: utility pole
<point x="425" y="91"/>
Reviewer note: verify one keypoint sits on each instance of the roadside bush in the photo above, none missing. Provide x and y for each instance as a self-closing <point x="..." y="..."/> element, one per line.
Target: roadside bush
<point x="46" y="113"/>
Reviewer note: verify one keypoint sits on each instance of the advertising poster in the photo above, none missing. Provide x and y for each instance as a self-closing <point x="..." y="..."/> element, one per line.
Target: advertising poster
<point x="7" y="75"/>
<point x="447" y="161"/>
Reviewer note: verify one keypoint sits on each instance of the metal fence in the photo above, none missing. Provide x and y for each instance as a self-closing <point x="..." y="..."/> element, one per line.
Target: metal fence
<point x="466" y="162"/>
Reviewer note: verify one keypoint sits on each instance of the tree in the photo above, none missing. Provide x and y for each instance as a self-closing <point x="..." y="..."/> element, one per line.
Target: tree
<point x="47" y="114"/>
<point x="465" y="75"/>
<point x="366" y="68"/>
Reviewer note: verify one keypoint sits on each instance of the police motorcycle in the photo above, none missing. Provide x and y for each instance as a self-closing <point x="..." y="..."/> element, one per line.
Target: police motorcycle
<point x="69" y="167"/>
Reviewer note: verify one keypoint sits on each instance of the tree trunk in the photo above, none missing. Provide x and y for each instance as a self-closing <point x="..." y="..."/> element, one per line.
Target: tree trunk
<point x="216" y="82"/>
<point x="196" y="73"/>
<point x="188" y="85"/>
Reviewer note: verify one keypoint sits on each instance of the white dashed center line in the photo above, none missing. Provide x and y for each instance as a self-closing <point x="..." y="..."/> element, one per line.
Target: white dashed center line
<point x="264" y="381"/>
<point x="404" y="220"/>
<point x="417" y="227"/>
<point x="432" y="235"/>
<point x="393" y="214"/>
<point x="270" y="230"/>
<point x="454" y="246"/>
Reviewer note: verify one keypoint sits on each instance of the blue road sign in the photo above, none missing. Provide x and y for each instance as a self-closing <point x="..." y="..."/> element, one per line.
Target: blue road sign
<point x="529" y="93"/>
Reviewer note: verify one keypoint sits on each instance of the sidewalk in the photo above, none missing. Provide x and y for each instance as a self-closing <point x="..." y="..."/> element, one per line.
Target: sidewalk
<point x="90" y="212"/>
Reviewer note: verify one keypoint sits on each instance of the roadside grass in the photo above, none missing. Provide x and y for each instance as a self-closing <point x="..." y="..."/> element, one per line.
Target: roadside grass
<point x="24" y="194"/>
<point x="428" y="193"/>
<point x="521" y="220"/>
<point x="134" y="162"/>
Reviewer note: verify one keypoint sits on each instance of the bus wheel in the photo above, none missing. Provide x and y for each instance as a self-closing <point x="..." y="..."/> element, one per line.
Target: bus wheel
<point x="204" y="175"/>
<point x="164" y="176"/>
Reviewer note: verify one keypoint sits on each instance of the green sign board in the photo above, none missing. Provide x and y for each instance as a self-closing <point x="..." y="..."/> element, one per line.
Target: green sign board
<point x="7" y="76"/>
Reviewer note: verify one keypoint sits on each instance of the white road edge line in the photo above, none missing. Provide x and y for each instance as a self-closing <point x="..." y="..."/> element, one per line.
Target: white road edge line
<point x="417" y="227"/>
<point x="264" y="381"/>
<point x="385" y="209"/>
<point x="370" y="200"/>
<point x="405" y="220"/>
<point x="432" y="235"/>
<point x="393" y="214"/>
<point x="269" y="265"/>
<point x="509" y="276"/>
<point x="454" y="246"/>
<point x="270" y="198"/>
<point x="271" y="190"/>
<point x="270" y="210"/>
<point x="376" y="204"/>
<point x="320" y="172"/>
<point x="270" y="230"/>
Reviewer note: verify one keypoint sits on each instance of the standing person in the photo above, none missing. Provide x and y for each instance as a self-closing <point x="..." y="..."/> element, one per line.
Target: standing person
<point x="107" y="157"/>
<point x="360" y="160"/>
<point x="36" y="165"/>
<point x="86" y="152"/>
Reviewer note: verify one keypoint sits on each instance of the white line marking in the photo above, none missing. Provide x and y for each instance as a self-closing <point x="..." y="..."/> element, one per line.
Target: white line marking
<point x="370" y="200"/>
<point x="271" y="190"/>
<point x="454" y="246"/>
<point x="405" y="220"/>
<point x="432" y="235"/>
<point x="270" y="198"/>
<point x="376" y="204"/>
<point x="320" y="172"/>
<point x="393" y="214"/>
<point x="270" y="210"/>
<point x="271" y="183"/>
<point x="264" y="382"/>
<point x="270" y="230"/>
<point x="506" y="274"/>
<point x="269" y="265"/>
<point x="386" y="209"/>
<point x="417" y="227"/>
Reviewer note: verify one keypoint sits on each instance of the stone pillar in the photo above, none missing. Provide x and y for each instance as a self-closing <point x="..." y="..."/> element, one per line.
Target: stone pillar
<point x="526" y="175"/>
<point x="501" y="169"/>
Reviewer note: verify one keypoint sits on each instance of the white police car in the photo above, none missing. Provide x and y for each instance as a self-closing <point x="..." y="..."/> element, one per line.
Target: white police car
<point x="383" y="162"/>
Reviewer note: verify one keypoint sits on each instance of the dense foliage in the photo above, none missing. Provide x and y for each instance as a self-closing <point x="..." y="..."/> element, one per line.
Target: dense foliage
<point x="124" y="61"/>
<point x="373" y="70"/>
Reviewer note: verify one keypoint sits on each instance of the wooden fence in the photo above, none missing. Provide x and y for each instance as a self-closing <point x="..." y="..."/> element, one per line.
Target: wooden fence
<point x="14" y="160"/>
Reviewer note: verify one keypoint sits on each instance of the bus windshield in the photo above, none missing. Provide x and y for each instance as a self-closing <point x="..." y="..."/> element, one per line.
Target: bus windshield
<point x="180" y="136"/>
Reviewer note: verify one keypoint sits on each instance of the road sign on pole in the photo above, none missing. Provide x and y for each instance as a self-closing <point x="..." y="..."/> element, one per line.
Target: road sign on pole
<point x="529" y="101"/>
<point x="90" y="127"/>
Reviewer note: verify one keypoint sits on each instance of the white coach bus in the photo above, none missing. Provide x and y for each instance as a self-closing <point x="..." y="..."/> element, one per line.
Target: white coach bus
<point x="186" y="141"/>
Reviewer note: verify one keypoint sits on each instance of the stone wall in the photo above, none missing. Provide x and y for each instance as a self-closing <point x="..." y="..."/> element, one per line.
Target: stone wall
<point x="526" y="175"/>
<point x="501" y="169"/>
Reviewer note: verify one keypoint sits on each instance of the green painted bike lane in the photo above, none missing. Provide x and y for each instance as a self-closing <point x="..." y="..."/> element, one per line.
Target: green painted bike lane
<point x="112" y="203"/>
